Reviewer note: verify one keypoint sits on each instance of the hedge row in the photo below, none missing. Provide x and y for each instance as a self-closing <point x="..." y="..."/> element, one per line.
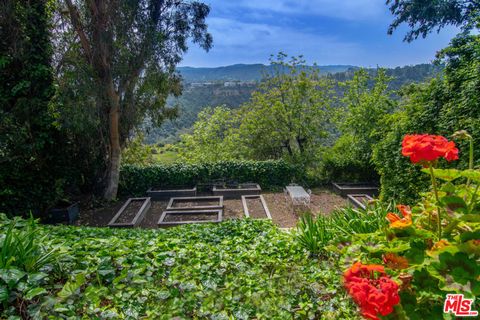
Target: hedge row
<point x="135" y="180"/>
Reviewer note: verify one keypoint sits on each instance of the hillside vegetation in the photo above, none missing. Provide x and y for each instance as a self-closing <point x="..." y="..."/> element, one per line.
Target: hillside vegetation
<point x="233" y="86"/>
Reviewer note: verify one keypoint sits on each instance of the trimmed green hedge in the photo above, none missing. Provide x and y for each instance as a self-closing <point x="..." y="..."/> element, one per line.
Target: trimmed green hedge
<point x="135" y="180"/>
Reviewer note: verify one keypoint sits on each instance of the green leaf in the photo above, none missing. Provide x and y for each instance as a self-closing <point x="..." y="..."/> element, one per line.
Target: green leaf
<point x="471" y="174"/>
<point x="454" y="203"/>
<point x="70" y="287"/>
<point x="11" y="276"/>
<point x="444" y="174"/>
<point x="3" y="294"/>
<point x="32" y="293"/>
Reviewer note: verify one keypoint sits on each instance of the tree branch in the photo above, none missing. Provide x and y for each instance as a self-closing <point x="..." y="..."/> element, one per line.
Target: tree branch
<point x="77" y="25"/>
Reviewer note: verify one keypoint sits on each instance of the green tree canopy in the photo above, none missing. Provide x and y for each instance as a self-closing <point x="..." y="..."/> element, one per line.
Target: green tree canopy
<point x="129" y="50"/>
<point x="424" y="17"/>
<point x="289" y="116"/>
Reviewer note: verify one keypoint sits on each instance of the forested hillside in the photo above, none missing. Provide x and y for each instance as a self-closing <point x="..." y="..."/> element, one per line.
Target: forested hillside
<point x="204" y="87"/>
<point x="242" y="72"/>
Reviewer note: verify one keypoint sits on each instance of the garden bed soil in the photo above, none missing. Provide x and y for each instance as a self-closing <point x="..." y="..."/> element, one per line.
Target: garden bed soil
<point x="193" y="203"/>
<point x="130" y="211"/>
<point x="237" y="191"/>
<point x="187" y="203"/>
<point x="211" y="216"/>
<point x="255" y="208"/>
<point x="322" y="200"/>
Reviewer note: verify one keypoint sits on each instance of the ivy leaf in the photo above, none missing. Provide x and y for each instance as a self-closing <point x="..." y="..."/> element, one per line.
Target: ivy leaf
<point x="32" y="293"/>
<point x="3" y="294"/>
<point x="71" y="288"/>
<point x="11" y="276"/>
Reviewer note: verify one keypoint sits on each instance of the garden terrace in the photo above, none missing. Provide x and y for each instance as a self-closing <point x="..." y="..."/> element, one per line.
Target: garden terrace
<point x="322" y="200"/>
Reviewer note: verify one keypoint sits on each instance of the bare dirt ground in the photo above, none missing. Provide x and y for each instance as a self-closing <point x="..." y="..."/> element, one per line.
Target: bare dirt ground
<point x="323" y="201"/>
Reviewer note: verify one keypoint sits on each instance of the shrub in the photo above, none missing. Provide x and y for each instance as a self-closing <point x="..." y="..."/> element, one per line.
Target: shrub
<point x="136" y="180"/>
<point x="343" y="162"/>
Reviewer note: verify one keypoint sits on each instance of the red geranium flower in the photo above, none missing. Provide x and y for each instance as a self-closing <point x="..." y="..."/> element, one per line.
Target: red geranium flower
<point x="371" y="288"/>
<point x="423" y="148"/>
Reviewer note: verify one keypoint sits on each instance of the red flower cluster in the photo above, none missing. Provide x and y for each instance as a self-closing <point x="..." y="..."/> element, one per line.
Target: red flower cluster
<point x="427" y="148"/>
<point x="371" y="288"/>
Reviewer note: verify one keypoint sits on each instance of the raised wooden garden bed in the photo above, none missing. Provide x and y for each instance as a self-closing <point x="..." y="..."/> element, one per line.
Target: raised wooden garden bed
<point x="347" y="188"/>
<point x="237" y="191"/>
<point x="359" y="200"/>
<point x="175" y="218"/>
<point x="195" y="203"/>
<point x="131" y="213"/>
<point x="255" y="206"/>
<point x="165" y="194"/>
<point x="64" y="213"/>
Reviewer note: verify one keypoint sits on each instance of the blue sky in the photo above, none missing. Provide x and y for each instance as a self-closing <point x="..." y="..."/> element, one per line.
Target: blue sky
<point x="327" y="32"/>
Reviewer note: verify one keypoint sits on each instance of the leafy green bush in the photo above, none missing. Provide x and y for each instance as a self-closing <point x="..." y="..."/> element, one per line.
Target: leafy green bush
<point x="342" y="163"/>
<point x="136" y="180"/>
<point x="239" y="269"/>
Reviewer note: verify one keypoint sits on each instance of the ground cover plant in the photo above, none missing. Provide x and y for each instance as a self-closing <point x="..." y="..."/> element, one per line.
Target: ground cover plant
<point x="240" y="269"/>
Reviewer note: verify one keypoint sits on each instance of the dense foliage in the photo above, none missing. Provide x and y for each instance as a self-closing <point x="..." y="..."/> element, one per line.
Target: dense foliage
<point x="31" y="174"/>
<point x="365" y="104"/>
<point x="238" y="269"/>
<point x="137" y="180"/>
<point x="442" y="106"/>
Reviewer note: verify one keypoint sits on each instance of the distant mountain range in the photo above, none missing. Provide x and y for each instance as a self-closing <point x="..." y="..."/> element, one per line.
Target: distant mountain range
<point x="243" y="72"/>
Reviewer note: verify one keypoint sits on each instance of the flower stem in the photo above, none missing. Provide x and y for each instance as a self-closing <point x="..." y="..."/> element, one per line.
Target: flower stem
<point x="435" y="191"/>
<point x="470" y="160"/>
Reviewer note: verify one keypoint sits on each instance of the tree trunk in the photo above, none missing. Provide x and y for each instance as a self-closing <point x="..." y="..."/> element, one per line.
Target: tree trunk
<point x="113" y="174"/>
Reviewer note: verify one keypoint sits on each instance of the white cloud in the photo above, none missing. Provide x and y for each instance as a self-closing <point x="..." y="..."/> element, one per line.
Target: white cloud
<point x="236" y="42"/>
